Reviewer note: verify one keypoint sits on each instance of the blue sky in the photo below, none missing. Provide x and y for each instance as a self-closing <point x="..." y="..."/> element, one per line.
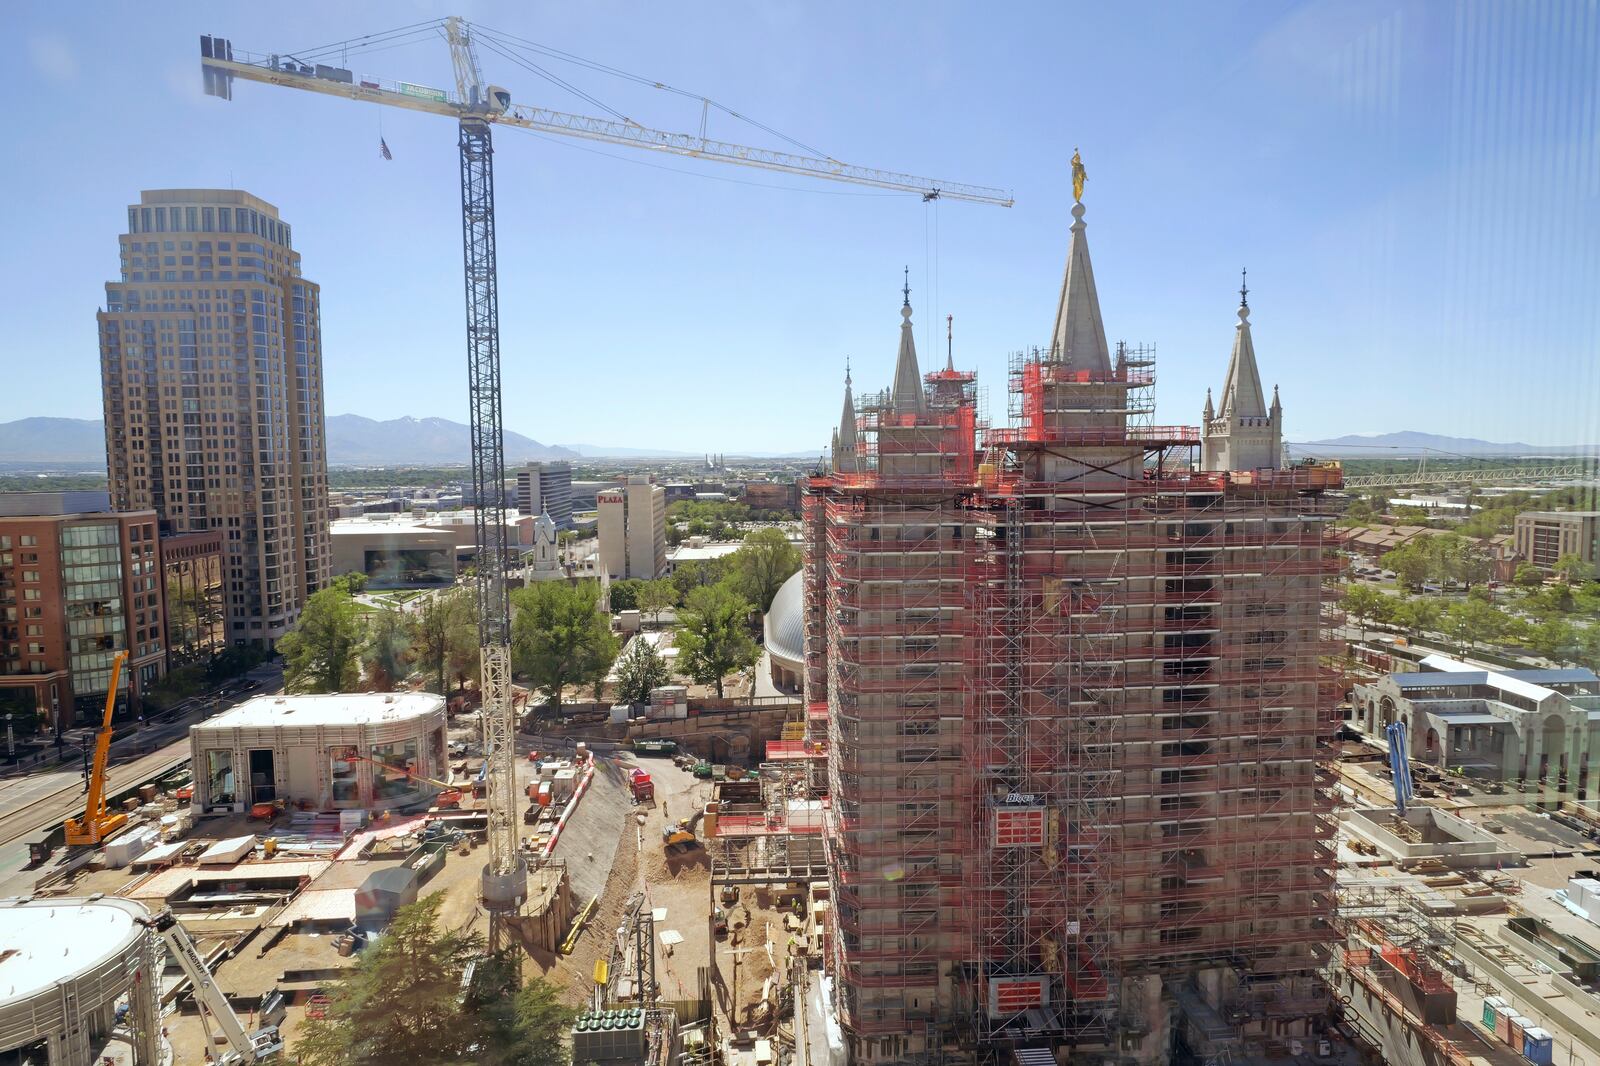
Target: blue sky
<point x="1414" y="186"/>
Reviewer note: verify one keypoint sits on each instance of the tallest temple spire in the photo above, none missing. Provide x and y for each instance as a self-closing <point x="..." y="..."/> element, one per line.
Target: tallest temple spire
<point x="906" y="394"/>
<point x="1079" y="339"/>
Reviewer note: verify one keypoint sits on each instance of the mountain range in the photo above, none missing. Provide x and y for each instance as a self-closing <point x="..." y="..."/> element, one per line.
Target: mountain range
<point x="1413" y="443"/>
<point x="354" y="440"/>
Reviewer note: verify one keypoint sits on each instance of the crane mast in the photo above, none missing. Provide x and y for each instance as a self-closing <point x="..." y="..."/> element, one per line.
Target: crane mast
<point x="477" y="107"/>
<point x="505" y="875"/>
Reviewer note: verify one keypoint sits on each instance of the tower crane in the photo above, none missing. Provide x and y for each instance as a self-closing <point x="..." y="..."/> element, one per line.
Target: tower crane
<point x="477" y="107"/>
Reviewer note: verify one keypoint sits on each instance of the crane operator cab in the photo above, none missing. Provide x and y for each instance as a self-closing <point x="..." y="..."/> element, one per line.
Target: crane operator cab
<point x="499" y="99"/>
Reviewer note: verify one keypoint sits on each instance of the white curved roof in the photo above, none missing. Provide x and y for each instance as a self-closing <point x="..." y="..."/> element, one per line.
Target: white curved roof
<point x="46" y="942"/>
<point x="331" y="709"/>
<point x="785" y="622"/>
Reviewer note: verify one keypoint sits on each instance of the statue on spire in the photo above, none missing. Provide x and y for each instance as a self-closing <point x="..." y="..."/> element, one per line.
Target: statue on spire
<point x="1079" y="176"/>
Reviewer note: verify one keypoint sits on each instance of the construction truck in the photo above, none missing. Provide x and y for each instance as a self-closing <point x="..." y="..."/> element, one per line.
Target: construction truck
<point x="681" y="834"/>
<point x="263" y="1045"/>
<point x="98" y="823"/>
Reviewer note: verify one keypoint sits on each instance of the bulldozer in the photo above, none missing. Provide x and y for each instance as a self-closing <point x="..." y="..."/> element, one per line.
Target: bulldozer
<point x="681" y="834"/>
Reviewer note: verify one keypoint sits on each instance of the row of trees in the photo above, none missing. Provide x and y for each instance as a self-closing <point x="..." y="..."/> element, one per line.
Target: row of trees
<point x="560" y="639"/>
<point x="339" y="645"/>
<point x="1443" y="559"/>
<point x="1474" y="621"/>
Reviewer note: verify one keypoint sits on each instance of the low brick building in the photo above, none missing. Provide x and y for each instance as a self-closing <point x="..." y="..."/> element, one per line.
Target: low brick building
<point x="78" y="583"/>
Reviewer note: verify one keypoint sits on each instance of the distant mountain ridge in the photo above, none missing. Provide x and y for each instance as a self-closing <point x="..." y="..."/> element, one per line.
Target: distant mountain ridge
<point x="355" y="440"/>
<point x="1412" y="442"/>
<point x="53" y="440"/>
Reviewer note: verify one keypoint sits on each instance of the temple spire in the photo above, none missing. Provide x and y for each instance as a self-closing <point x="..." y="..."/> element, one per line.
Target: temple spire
<point x="950" y="344"/>
<point x="1241" y="390"/>
<point x="1079" y="338"/>
<point x="844" y="438"/>
<point x="906" y="395"/>
<point x="1210" y="411"/>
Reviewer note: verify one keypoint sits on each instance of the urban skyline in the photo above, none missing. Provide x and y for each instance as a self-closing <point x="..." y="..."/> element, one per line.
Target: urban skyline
<point x="1393" y="220"/>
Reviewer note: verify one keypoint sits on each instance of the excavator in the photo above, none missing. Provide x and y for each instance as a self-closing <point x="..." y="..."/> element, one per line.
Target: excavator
<point x="681" y="834"/>
<point x="98" y="823"/>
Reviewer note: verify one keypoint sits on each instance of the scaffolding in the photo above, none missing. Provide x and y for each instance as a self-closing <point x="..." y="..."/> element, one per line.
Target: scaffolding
<point x="1071" y="694"/>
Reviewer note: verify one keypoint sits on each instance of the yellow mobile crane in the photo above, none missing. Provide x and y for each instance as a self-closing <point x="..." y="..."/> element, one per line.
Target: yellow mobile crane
<point x="477" y="107"/>
<point x="98" y="823"/>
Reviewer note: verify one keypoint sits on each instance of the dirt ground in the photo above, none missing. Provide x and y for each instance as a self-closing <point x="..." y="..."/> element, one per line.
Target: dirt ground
<point x="678" y="884"/>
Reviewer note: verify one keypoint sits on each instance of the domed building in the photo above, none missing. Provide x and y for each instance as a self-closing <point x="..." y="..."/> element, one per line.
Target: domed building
<point x="785" y="636"/>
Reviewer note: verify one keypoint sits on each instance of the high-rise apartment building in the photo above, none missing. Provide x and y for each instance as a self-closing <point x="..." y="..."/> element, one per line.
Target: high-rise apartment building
<point x="1072" y="686"/>
<point x="546" y="488"/>
<point x="632" y="523"/>
<point x="211" y="368"/>
<point x="78" y="583"/>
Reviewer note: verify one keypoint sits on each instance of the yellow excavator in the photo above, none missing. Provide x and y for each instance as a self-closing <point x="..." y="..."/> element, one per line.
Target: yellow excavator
<point x="98" y="823"/>
<point x="681" y="834"/>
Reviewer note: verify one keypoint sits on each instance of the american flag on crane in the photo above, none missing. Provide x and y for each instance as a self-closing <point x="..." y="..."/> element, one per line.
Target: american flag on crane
<point x="383" y="149"/>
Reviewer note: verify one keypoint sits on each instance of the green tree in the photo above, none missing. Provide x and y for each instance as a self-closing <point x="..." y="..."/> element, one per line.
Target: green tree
<point x="714" y="637"/>
<point x="402" y="1002"/>
<point x="559" y="637"/>
<point x="761" y="567"/>
<point x="1528" y="576"/>
<point x="387" y="652"/>
<point x="352" y="584"/>
<point x="1572" y="570"/>
<point x="321" y="653"/>
<point x="1417" y="614"/>
<point x="655" y="597"/>
<point x="1366" y="605"/>
<point x="446" y="635"/>
<point x="640" y="669"/>
<point x="1410" y="563"/>
<point x="697" y="573"/>
<point x="1471" y="622"/>
<point x="625" y="594"/>
<point x="1554" y="638"/>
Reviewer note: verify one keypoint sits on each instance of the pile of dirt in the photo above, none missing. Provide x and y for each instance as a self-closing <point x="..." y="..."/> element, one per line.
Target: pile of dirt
<point x="594" y="943"/>
<point x="682" y="865"/>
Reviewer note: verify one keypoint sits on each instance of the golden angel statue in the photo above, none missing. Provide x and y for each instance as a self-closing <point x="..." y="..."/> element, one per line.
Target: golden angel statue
<point x="1078" y="176"/>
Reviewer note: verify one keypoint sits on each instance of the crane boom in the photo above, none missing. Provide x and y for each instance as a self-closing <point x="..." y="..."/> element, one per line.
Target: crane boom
<point x="477" y="108"/>
<point x="334" y="81"/>
<point x="97" y="823"/>
<point x="260" y="1046"/>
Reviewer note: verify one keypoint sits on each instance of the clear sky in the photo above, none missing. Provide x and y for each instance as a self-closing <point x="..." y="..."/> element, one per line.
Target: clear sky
<point x="1414" y="186"/>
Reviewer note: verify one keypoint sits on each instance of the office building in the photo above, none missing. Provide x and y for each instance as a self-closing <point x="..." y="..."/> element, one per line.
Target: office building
<point x="78" y="583"/>
<point x="633" y="529"/>
<point x="546" y="488"/>
<point x="211" y="370"/>
<point x="1545" y="537"/>
<point x="1071" y="691"/>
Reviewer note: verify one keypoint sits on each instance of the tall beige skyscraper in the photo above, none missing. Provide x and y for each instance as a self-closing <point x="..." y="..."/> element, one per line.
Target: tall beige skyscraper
<point x="211" y="368"/>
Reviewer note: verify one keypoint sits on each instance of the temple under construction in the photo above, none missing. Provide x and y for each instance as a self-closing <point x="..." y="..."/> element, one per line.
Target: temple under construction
<point x="1068" y="679"/>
